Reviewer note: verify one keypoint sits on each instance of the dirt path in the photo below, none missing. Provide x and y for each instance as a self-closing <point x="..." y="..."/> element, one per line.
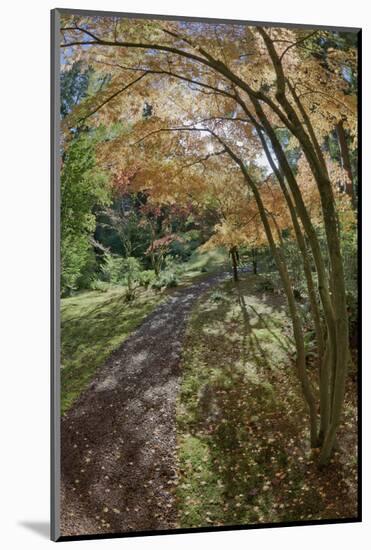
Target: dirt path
<point x="118" y="451"/>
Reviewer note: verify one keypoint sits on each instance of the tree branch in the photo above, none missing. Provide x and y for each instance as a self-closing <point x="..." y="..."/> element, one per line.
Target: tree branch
<point x="296" y="43"/>
<point x="207" y="60"/>
<point x="118" y="92"/>
<point x="201" y="160"/>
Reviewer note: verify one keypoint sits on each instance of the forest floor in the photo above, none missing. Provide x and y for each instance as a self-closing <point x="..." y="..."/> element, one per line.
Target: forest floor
<point x="197" y="420"/>
<point x="118" y="440"/>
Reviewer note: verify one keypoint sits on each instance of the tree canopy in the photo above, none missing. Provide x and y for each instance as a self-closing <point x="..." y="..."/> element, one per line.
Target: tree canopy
<point x="255" y="125"/>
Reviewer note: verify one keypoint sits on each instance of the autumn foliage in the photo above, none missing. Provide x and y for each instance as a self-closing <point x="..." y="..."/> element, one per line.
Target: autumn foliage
<point x="241" y="122"/>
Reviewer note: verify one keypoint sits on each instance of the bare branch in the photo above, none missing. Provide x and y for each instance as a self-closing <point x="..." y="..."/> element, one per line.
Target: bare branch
<point x="117" y="93"/>
<point x="201" y="160"/>
<point x="297" y="42"/>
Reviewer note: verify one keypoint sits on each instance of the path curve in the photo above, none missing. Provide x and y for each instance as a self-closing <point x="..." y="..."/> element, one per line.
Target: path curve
<point x="118" y="442"/>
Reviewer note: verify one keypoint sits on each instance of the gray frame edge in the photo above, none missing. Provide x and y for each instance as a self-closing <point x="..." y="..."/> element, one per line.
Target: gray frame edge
<point x="211" y="20"/>
<point x="55" y="280"/>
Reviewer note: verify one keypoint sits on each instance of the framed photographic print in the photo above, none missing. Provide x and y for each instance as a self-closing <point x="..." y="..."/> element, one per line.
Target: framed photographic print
<point x="205" y="214"/>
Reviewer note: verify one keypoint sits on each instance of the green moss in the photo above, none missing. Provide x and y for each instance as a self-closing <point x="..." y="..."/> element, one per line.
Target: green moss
<point x="199" y="494"/>
<point x="93" y="325"/>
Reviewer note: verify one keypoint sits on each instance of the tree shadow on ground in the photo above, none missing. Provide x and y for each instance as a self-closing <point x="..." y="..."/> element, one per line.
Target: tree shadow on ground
<point x="249" y="428"/>
<point x="88" y="339"/>
<point x="118" y="440"/>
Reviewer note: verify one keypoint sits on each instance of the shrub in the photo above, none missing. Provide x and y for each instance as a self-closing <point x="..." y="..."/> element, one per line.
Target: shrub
<point x="112" y="269"/>
<point x="74" y="257"/>
<point x="167" y="279"/>
<point x="100" y="286"/>
<point x="147" y="277"/>
<point x="122" y="271"/>
<point x="131" y="276"/>
<point x="88" y="271"/>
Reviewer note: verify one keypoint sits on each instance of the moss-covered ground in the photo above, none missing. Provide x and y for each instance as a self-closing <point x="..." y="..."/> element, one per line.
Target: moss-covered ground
<point x="243" y="452"/>
<point x="93" y="325"/>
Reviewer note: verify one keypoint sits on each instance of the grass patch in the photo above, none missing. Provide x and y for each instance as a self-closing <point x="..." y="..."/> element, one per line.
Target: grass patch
<point x="202" y="264"/>
<point x="93" y="325"/>
<point x="243" y="449"/>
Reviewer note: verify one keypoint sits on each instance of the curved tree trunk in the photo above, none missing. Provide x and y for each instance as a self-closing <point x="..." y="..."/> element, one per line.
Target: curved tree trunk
<point x="294" y="314"/>
<point x="315" y="159"/>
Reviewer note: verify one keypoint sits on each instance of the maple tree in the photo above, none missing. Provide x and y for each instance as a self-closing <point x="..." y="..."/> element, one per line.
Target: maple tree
<point x="200" y="108"/>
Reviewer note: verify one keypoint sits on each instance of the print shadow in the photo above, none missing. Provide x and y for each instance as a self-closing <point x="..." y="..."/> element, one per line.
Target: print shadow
<point x="41" y="528"/>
